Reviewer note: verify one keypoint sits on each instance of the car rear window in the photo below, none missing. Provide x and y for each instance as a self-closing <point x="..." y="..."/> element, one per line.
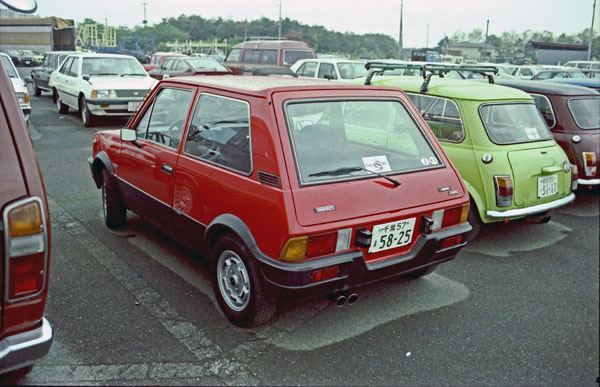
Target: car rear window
<point x="545" y="107"/>
<point x="512" y="123"/>
<point x="292" y="56"/>
<point x="586" y="112"/>
<point x="341" y="140"/>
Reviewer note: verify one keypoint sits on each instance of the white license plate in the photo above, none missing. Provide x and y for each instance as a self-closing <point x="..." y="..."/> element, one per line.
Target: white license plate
<point x="547" y="186"/>
<point x="394" y="234"/>
<point x="133" y="106"/>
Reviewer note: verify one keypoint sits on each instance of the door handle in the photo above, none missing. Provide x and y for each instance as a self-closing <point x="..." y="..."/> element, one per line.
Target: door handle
<point x="167" y="168"/>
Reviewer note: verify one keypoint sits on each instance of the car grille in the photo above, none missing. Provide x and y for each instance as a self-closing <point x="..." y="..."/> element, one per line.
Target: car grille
<point x="132" y="93"/>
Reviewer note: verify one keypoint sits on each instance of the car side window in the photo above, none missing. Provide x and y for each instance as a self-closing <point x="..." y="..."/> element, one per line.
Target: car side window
<point x="308" y="69"/>
<point x="234" y="55"/>
<point x="74" y="69"/>
<point x="269" y="56"/>
<point x="66" y="66"/>
<point x="327" y="71"/>
<point x="526" y="72"/>
<point x="220" y="133"/>
<point x="47" y="60"/>
<point x="179" y="65"/>
<point x="545" y="107"/>
<point x="164" y="121"/>
<point x="251" y="56"/>
<point x="442" y="116"/>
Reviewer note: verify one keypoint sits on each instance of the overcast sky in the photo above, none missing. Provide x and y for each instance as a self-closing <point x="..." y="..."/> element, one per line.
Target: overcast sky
<point x="381" y="16"/>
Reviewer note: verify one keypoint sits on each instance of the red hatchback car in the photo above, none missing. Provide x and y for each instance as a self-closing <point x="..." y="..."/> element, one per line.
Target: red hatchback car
<point x="293" y="188"/>
<point x="25" y="335"/>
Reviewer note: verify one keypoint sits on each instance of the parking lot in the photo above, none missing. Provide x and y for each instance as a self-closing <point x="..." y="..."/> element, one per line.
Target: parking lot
<point x="518" y="306"/>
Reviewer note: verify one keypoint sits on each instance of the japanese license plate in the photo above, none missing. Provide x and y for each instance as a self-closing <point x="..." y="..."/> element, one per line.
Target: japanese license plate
<point x="133" y="106"/>
<point x="547" y="186"/>
<point x="394" y="234"/>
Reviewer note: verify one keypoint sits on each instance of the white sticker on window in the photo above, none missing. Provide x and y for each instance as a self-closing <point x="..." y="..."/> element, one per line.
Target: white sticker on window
<point x="425" y="161"/>
<point x="376" y="164"/>
<point x="532" y="133"/>
<point x="433" y="160"/>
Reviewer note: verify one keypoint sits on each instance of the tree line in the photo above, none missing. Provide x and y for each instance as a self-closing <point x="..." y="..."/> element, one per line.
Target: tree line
<point x="196" y="28"/>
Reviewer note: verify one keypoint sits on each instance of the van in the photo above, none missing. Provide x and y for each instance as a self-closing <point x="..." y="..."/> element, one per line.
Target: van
<point x="283" y="53"/>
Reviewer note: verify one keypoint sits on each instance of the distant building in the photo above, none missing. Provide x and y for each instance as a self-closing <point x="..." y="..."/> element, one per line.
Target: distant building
<point x="555" y="53"/>
<point x="473" y="51"/>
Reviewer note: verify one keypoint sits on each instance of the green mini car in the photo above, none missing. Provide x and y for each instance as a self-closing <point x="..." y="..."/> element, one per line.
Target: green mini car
<point x="499" y="142"/>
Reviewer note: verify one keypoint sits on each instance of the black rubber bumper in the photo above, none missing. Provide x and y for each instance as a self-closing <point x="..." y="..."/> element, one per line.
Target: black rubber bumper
<point x="291" y="280"/>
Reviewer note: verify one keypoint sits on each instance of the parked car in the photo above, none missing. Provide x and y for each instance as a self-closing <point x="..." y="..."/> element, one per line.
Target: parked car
<point x="181" y="66"/>
<point x="511" y="165"/>
<point x="25" y="334"/>
<point x="261" y="53"/>
<point x="584" y="64"/>
<point x="528" y="71"/>
<point x="18" y="58"/>
<point x="592" y="83"/>
<point x="270" y="71"/>
<point x="37" y="58"/>
<point x="100" y="85"/>
<point x="158" y="59"/>
<point x="291" y="187"/>
<point x="558" y="74"/>
<point x="573" y="115"/>
<point x="18" y="85"/>
<point x="332" y="69"/>
<point x="41" y="75"/>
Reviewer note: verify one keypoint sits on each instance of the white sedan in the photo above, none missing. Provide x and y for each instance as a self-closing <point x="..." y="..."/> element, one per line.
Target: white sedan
<point x="332" y="69"/>
<point x="100" y="85"/>
<point x="19" y="85"/>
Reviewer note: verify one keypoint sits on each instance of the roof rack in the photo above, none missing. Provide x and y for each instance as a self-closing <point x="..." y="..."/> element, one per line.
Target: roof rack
<point x="378" y="68"/>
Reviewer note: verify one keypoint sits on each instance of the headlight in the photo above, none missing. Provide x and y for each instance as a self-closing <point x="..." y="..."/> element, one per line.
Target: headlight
<point x="104" y="94"/>
<point x="21" y="97"/>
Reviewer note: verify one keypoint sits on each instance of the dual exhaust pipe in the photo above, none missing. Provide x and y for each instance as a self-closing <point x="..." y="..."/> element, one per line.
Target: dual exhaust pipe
<point x="343" y="298"/>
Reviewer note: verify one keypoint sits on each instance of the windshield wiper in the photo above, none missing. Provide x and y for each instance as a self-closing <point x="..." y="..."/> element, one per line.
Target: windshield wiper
<point x="349" y="170"/>
<point x="138" y="74"/>
<point x="104" y="74"/>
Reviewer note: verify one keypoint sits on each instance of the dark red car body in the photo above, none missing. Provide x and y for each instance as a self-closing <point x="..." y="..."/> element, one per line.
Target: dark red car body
<point x="158" y="58"/>
<point x="577" y="142"/>
<point x="264" y="53"/>
<point x="25" y="335"/>
<point x="199" y="202"/>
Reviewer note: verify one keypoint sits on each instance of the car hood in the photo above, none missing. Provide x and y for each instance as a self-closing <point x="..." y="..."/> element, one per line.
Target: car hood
<point x="121" y="83"/>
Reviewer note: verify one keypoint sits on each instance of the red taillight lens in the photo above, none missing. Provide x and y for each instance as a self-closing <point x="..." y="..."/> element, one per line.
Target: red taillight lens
<point x="504" y="190"/>
<point x="26" y="275"/>
<point x="324" y="274"/>
<point x="321" y="244"/>
<point x="589" y="163"/>
<point x="452" y="241"/>
<point x="455" y="215"/>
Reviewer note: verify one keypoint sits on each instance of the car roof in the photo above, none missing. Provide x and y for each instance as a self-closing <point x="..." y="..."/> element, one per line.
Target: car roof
<point x="453" y="88"/>
<point x="544" y="87"/>
<point x="273" y="44"/>
<point x="97" y="55"/>
<point x="332" y="60"/>
<point x="263" y="85"/>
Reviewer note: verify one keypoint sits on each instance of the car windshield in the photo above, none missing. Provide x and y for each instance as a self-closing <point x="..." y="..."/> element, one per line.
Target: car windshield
<point x="10" y="69"/>
<point x="514" y="123"/>
<point x="112" y="66"/>
<point x="350" y="70"/>
<point x="578" y="74"/>
<point x="206" y="64"/>
<point x="292" y="56"/>
<point x="341" y="140"/>
<point x="586" y="112"/>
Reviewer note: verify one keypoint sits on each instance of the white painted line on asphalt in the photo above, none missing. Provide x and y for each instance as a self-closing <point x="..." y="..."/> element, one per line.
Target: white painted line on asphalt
<point x="518" y="237"/>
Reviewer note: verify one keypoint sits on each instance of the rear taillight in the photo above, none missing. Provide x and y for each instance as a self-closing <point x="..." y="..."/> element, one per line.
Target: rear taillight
<point x="26" y="247"/>
<point x="504" y="190"/>
<point x="310" y="246"/>
<point x="589" y="163"/>
<point x="444" y="218"/>
<point x="574" y="177"/>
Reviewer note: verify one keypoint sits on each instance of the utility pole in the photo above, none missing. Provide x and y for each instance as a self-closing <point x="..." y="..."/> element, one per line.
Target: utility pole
<point x="279" y="35"/>
<point x="589" y="56"/>
<point x="400" y="36"/>
<point x="145" y="21"/>
<point x="427" y="38"/>
<point x="487" y="27"/>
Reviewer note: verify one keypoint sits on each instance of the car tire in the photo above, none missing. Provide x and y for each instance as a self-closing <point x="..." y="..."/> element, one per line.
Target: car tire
<point x="237" y="285"/>
<point x="60" y="106"/>
<point x="420" y="273"/>
<point x="87" y="117"/>
<point x="36" y="90"/>
<point x="115" y="212"/>
<point x="474" y="220"/>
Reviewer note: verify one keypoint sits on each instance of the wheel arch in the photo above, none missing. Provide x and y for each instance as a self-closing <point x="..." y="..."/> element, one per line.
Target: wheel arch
<point x="231" y="224"/>
<point x="476" y="197"/>
<point x="101" y="161"/>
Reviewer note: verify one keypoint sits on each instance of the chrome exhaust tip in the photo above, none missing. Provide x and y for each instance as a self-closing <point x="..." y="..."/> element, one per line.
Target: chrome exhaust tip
<point x="340" y="300"/>
<point x="352" y="298"/>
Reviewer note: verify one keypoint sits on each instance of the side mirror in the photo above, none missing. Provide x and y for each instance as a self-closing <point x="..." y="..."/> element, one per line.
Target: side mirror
<point x="128" y="135"/>
<point x="28" y="80"/>
<point x="86" y="77"/>
<point x="165" y="76"/>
